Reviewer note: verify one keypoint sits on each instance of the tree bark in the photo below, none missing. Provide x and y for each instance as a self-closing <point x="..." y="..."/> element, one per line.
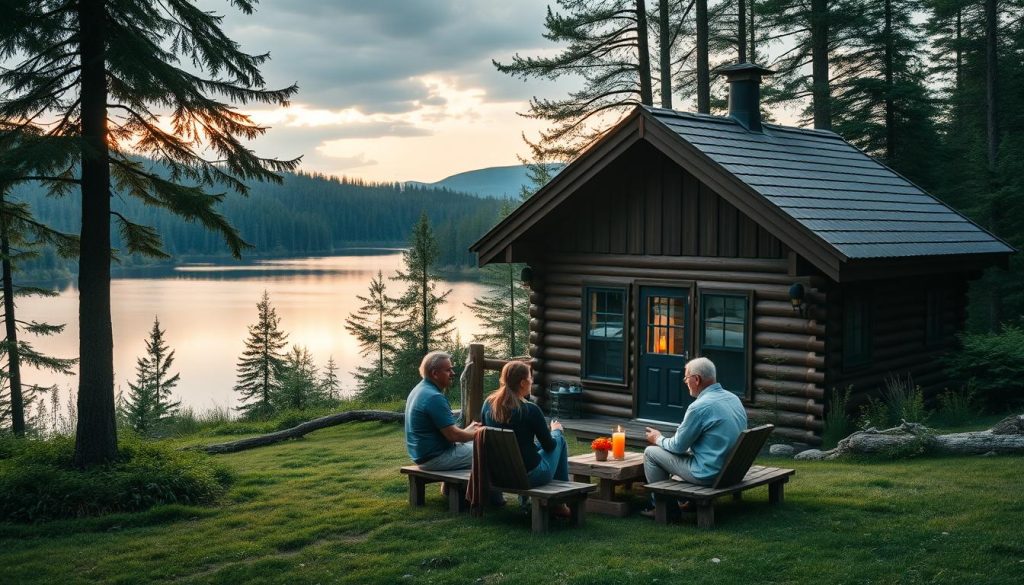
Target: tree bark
<point x="643" y="54"/>
<point x="96" y="435"/>
<point x="750" y="26"/>
<point x="741" y="31"/>
<point x="821" y="90"/>
<point x="304" y="428"/>
<point x="890" y="107"/>
<point x="665" y="55"/>
<point x="703" y="71"/>
<point x="991" y="79"/>
<point x="13" y="361"/>
<point x="1006" y="437"/>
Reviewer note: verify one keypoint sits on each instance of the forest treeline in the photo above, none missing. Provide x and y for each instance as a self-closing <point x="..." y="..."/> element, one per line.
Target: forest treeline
<point x="931" y="88"/>
<point x="306" y="214"/>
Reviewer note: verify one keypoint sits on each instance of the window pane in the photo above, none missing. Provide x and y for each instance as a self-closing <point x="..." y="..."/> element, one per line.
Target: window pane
<point x="605" y="335"/>
<point x="665" y="325"/>
<point x="724" y="325"/>
<point x="725" y="321"/>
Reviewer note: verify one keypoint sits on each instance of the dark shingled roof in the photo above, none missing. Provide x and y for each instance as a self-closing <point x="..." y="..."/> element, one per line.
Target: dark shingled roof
<point x="857" y="205"/>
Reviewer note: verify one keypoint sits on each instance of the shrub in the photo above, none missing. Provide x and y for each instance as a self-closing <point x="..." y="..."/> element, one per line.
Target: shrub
<point x="39" y="483"/>
<point x="837" y="425"/>
<point x="904" y="400"/>
<point x="995" y="361"/>
<point x="873" y="414"/>
<point x="958" y="407"/>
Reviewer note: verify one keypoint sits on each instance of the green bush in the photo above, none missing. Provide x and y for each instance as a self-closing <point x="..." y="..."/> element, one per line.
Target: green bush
<point x="995" y="361"/>
<point x="958" y="407"/>
<point x="904" y="400"/>
<point x="837" y="425"/>
<point x="39" y="483"/>
<point x="874" y="414"/>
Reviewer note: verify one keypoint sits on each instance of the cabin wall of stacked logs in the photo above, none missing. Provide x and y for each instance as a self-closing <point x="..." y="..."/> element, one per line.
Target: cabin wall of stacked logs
<point x="899" y="344"/>
<point x="788" y="352"/>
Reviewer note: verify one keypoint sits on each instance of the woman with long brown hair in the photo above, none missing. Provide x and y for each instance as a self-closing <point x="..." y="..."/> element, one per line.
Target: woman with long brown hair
<point x="545" y="454"/>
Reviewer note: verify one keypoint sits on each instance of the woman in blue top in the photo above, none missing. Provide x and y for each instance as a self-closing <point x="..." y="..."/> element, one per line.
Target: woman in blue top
<point x="507" y="408"/>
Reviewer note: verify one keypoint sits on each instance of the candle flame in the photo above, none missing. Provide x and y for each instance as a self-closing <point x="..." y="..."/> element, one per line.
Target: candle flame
<point x="618" y="429"/>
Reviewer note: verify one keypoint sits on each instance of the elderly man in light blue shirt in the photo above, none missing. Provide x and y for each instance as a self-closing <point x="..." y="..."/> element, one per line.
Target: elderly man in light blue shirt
<point x="711" y="426"/>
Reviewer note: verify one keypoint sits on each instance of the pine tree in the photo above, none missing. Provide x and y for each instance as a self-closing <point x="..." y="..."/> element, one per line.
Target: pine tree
<point x="94" y="76"/>
<point x="148" y="403"/>
<point x="261" y="366"/>
<point x="330" y="386"/>
<point x="422" y="328"/>
<point x="299" y="388"/>
<point x="607" y="46"/>
<point x="22" y="239"/>
<point x="882" y="103"/>
<point x="375" y="326"/>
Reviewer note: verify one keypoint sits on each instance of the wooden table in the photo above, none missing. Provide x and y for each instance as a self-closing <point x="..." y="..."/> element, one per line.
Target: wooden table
<point x="609" y="474"/>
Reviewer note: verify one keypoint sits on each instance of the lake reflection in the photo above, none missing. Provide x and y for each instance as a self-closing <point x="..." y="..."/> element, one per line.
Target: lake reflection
<point x="205" y="310"/>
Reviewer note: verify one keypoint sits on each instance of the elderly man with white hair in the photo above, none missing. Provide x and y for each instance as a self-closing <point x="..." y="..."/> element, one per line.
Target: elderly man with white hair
<point x="711" y="426"/>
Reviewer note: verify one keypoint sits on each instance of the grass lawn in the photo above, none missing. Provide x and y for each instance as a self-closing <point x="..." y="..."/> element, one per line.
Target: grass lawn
<point x="332" y="508"/>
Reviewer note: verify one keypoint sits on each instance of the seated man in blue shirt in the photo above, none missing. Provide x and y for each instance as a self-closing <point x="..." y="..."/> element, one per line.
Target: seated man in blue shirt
<point x="710" y="428"/>
<point x="431" y="437"/>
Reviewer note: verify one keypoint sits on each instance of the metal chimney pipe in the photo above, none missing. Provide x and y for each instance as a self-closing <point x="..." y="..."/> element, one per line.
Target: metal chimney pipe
<point x="745" y="93"/>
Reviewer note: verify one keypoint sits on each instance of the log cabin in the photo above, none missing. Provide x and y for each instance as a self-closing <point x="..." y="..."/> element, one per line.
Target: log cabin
<point x="793" y="260"/>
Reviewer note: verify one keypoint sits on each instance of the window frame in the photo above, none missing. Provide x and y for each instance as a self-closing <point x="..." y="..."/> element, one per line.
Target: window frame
<point x="585" y="312"/>
<point x="747" y="396"/>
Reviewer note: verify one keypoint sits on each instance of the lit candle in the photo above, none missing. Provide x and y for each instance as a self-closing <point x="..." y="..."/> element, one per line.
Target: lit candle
<point x="619" y="444"/>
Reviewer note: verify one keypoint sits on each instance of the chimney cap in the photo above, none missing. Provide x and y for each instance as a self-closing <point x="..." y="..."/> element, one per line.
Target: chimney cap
<point x="743" y="71"/>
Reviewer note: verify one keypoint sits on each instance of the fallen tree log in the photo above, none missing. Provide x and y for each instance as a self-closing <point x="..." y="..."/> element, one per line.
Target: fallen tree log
<point x="1006" y="437"/>
<point x="302" y="429"/>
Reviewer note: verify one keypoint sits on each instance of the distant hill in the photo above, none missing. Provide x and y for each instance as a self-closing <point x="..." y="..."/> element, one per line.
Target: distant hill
<point x="495" y="182"/>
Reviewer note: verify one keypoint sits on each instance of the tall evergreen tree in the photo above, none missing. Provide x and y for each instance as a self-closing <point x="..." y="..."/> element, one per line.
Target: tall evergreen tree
<point x="423" y="328"/>
<point x="102" y="71"/>
<point x="881" y="102"/>
<point x="261" y="366"/>
<point x="22" y="239"/>
<point x="607" y="47"/>
<point x="375" y="326"/>
<point x="148" y="403"/>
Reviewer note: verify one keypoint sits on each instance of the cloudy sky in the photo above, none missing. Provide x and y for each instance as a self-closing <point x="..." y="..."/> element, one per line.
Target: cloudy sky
<point x="395" y="89"/>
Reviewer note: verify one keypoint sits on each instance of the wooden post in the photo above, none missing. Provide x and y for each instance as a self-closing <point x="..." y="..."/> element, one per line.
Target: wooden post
<point x="475" y="396"/>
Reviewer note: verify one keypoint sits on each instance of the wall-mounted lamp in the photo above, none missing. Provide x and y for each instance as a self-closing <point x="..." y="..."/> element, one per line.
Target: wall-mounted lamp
<point x="796" y="296"/>
<point x="526" y="277"/>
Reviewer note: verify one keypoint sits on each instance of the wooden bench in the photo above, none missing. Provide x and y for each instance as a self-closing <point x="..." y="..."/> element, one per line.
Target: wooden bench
<point x="737" y="476"/>
<point x="508" y="474"/>
<point x="456" y="479"/>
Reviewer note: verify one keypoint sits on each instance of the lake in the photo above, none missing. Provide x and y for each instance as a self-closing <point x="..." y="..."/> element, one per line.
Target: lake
<point x="206" y="309"/>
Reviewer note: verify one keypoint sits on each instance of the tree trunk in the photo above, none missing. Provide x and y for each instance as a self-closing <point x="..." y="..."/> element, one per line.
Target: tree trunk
<point x="13" y="361"/>
<point x="665" y="56"/>
<point x="1006" y="437"/>
<point x="741" y="31"/>
<point x="821" y="90"/>
<point x="750" y="25"/>
<point x="96" y="437"/>
<point x="991" y="73"/>
<point x="890" y="108"/>
<point x="643" y="54"/>
<point x="959" y="52"/>
<point x="703" y="72"/>
<point x="302" y="429"/>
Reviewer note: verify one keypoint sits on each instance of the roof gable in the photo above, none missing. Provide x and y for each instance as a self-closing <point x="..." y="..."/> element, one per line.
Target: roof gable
<point x="822" y="197"/>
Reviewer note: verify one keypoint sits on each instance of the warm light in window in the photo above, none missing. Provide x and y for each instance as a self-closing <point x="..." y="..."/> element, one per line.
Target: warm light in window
<point x="662" y="344"/>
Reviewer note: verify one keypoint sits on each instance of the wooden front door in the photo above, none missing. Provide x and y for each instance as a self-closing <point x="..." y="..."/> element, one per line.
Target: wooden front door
<point x="664" y="347"/>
